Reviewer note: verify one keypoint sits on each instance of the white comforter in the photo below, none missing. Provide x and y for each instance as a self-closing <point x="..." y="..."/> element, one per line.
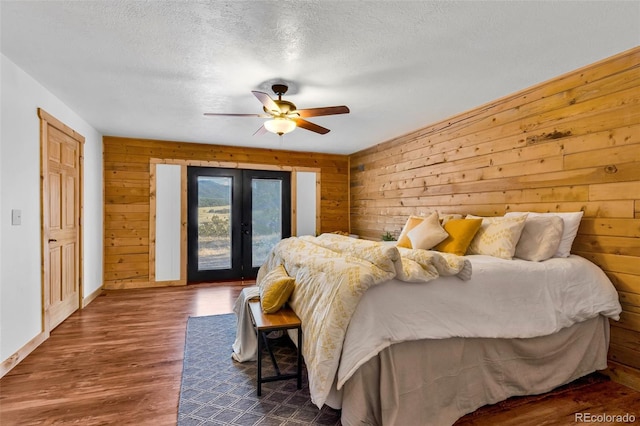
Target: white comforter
<point x="503" y="298"/>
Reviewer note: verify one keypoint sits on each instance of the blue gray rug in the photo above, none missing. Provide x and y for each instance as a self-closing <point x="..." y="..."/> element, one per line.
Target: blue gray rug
<point x="216" y="390"/>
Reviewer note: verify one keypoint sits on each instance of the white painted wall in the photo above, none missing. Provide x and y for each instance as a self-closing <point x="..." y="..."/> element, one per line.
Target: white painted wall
<point x="20" y="251"/>
<point x="168" y="194"/>
<point x="306" y="203"/>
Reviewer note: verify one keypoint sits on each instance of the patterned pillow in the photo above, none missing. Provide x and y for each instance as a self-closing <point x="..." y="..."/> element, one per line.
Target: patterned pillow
<point x="275" y="289"/>
<point x="427" y="234"/>
<point x="498" y="236"/>
<point x="461" y="232"/>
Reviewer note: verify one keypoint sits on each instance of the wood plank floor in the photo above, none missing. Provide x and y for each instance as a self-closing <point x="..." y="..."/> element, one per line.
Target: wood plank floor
<point x="119" y="362"/>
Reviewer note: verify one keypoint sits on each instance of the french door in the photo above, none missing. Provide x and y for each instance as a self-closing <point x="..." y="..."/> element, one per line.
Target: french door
<point x="234" y="218"/>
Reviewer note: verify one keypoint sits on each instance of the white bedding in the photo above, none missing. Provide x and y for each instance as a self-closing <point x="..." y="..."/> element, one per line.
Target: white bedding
<point x="353" y="304"/>
<point x="503" y="299"/>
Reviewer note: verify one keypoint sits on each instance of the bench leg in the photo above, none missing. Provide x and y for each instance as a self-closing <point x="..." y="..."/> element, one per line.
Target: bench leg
<point x="299" y="357"/>
<point x="259" y="363"/>
<point x="262" y="344"/>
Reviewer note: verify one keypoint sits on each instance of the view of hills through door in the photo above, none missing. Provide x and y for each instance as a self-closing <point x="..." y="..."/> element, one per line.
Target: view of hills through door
<point x="235" y="217"/>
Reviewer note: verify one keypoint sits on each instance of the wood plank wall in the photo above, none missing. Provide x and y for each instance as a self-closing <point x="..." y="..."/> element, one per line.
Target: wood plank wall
<point x="569" y="144"/>
<point x="127" y="194"/>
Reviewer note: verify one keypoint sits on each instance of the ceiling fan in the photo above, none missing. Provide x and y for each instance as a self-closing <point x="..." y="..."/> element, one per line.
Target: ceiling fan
<point x="284" y="115"/>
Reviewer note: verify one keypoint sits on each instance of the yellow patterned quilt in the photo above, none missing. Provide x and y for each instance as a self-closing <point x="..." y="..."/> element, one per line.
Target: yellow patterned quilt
<point x="332" y="272"/>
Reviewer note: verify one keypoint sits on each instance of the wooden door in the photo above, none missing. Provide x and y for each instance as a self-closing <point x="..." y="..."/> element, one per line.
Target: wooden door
<point x="61" y="215"/>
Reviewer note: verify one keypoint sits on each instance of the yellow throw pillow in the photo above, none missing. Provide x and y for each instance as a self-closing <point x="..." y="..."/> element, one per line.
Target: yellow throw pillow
<point x="275" y="289"/>
<point x="461" y="232"/>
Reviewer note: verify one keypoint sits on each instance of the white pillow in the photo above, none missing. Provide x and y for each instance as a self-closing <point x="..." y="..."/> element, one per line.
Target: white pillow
<point x="540" y="238"/>
<point x="498" y="236"/>
<point x="412" y="222"/>
<point x="427" y="234"/>
<point x="571" y="223"/>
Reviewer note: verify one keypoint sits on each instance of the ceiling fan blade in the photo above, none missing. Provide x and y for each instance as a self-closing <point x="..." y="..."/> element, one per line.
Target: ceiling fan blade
<point x="266" y="100"/>
<point x="311" y="126"/>
<point x="261" y="131"/>
<point x="316" y="112"/>
<point x="238" y="115"/>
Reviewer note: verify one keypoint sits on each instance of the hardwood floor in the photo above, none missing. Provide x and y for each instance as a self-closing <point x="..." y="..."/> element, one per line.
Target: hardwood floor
<point x="119" y="362"/>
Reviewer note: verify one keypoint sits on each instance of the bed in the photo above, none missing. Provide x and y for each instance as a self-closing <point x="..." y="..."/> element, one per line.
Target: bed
<point x="397" y="335"/>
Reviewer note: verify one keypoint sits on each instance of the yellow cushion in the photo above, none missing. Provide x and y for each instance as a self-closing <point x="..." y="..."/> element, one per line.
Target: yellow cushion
<point x="498" y="236"/>
<point x="461" y="232"/>
<point x="412" y="222"/>
<point x="275" y="289"/>
<point x="428" y="233"/>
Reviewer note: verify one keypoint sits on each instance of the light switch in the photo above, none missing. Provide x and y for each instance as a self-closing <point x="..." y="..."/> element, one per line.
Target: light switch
<point x="16" y="217"/>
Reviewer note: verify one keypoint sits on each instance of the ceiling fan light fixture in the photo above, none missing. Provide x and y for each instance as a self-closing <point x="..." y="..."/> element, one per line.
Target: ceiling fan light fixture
<point x="280" y="125"/>
<point x="284" y="116"/>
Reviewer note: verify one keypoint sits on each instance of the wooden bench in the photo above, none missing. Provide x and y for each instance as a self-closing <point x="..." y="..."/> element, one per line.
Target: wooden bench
<point x="284" y="319"/>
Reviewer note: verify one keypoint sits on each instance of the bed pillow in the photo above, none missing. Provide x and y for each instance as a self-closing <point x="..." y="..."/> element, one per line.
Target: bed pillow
<point x="275" y="289"/>
<point x="571" y="222"/>
<point x="461" y="232"/>
<point x="498" y="236"/>
<point x="427" y="234"/>
<point x="540" y="238"/>
<point x="412" y="222"/>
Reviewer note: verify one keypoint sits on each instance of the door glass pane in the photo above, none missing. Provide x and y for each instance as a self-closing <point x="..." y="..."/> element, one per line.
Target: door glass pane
<point x="266" y="217"/>
<point x="214" y="222"/>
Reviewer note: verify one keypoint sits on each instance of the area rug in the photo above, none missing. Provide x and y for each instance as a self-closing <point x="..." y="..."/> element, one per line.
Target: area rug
<point x="216" y="390"/>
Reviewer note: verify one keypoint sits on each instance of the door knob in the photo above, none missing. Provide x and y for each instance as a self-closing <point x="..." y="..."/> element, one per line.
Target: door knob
<point x="51" y="240"/>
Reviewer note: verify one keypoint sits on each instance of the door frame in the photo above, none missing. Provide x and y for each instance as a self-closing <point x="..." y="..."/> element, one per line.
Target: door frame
<point x="184" y="163"/>
<point x="47" y="120"/>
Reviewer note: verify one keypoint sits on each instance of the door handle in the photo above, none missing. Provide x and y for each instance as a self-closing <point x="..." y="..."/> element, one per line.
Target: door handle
<point x="51" y="240"/>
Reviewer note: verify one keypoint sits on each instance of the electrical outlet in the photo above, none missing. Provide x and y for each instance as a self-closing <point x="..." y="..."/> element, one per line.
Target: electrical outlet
<point x="16" y="217"/>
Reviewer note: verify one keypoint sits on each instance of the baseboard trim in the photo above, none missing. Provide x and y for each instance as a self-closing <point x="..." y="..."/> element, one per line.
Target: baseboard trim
<point x="90" y="298"/>
<point x="22" y="353"/>
<point x="623" y="374"/>
<point x="15" y="359"/>
<point x="142" y="284"/>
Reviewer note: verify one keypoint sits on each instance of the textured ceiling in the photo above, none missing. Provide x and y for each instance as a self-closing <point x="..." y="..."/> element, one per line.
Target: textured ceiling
<point x="150" y="69"/>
